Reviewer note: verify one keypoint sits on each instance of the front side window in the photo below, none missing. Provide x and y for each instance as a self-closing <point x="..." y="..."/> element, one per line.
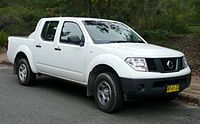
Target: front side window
<point x="103" y="32"/>
<point x="49" y="30"/>
<point x="70" y="29"/>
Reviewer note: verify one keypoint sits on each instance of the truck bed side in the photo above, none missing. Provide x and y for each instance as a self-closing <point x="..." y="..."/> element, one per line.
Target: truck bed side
<point x="20" y="44"/>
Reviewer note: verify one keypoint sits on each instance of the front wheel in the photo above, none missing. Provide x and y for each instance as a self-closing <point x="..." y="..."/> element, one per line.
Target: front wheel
<point x="108" y="92"/>
<point x="24" y="73"/>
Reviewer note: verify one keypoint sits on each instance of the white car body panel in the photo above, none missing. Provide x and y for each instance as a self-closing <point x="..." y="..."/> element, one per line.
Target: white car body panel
<point x="24" y="45"/>
<point x="80" y="61"/>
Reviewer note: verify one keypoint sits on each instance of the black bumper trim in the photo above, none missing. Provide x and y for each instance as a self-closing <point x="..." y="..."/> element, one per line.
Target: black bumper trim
<point x="142" y="88"/>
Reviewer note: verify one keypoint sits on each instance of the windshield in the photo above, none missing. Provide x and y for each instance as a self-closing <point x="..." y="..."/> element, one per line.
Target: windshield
<point x="103" y="32"/>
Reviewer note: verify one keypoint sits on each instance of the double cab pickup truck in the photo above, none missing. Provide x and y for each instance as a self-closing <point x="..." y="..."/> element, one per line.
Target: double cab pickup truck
<point x="113" y="61"/>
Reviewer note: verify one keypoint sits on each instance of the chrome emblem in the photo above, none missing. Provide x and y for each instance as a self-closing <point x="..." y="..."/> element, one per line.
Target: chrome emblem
<point x="170" y="64"/>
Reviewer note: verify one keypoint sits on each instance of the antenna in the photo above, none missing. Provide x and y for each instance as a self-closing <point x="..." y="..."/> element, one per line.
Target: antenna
<point x="96" y="10"/>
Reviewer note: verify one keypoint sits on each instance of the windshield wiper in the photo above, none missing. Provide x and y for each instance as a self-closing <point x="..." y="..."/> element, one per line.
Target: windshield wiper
<point x="121" y="41"/>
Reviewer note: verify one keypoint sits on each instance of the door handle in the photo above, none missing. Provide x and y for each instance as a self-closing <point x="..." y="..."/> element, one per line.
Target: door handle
<point x="38" y="46"/>
<point x="58" y="49"/>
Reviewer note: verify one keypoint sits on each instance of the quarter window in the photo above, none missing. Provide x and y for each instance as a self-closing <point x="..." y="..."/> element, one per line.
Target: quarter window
<point x="49" y="30"/>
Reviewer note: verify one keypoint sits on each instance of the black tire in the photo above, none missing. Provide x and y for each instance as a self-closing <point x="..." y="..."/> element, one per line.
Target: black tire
<point x="109" y="84"/>
<point x="24" y="73"/>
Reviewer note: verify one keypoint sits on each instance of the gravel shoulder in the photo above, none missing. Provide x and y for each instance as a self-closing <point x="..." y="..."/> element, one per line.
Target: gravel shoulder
<point x="191" y="95"/>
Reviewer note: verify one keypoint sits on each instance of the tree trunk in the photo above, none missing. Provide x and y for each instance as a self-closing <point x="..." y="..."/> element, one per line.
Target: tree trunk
<point x="90" y="7"/>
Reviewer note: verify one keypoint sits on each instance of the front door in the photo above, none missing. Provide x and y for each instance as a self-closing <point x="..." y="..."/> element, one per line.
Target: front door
<point x="69" y="57"/>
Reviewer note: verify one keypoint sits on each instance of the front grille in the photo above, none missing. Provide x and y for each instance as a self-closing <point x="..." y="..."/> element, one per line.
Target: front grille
<point x="167" y="66"/>
<point x="151" y="65"/>
<point x="164" y="65"/>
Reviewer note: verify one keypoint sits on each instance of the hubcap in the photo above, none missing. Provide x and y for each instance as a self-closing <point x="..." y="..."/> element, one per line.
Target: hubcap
<point x="22" y="72"/>
<point x="104" y="93"/>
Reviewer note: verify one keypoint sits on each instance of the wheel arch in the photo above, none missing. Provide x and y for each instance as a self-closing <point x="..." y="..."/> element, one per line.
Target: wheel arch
<point x="24" y="52"/>
<point x="95" y="72"/>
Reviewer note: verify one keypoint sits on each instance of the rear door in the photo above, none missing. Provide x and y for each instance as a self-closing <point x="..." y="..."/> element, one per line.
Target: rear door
<point x="44" y="47"/>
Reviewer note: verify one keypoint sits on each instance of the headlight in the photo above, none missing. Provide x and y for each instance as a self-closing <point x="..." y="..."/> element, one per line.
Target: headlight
<point x="139" y="64"/>
<point x="185" y="65"/>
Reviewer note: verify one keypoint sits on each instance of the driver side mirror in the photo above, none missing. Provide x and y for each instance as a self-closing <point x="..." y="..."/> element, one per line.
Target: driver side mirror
<point x="76" y="40"/>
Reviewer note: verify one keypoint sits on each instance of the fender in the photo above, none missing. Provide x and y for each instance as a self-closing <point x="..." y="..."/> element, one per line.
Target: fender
<point x="28" y="53"/>
<point x="113" y="61"/>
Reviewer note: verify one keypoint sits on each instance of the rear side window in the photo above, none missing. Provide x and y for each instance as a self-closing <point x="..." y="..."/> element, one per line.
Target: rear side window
<point x="49" y="30"/>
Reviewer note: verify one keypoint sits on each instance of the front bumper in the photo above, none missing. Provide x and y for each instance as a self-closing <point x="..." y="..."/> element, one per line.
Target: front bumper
<point x="135" y="89"/>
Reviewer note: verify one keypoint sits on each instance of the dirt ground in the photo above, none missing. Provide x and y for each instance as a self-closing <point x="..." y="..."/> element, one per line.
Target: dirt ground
<point x="194" y="88"/>
<point x="3" y="58"/>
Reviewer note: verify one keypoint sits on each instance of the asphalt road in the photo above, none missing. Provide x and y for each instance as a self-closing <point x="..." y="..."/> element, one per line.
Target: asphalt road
<point x="53" y="101"/>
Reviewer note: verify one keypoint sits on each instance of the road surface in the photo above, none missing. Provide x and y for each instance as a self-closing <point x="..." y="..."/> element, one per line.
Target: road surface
<point x="53" y="101"/>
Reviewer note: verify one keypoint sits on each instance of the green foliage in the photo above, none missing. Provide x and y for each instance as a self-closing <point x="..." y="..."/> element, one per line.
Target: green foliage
<point x="156" y="35"/>
<point x="195" y="30"/>
<point x="3" y="38"/>
<point x="153" y="18"/>
<point x="18" y="20"/>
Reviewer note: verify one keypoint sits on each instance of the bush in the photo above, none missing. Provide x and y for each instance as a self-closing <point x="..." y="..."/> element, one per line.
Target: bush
<point x="3" y="38"/>
<point x="156" y="35"/>
<point x="19" y="20"/>
<point x="195" y="30"/>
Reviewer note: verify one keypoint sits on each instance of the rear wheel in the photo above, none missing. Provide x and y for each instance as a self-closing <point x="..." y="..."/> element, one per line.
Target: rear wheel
<point x="108" y="92"/>
<point x="24" y="73"/>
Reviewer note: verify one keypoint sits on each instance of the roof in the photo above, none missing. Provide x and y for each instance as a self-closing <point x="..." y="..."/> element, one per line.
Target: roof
<point x="76" y="18"/>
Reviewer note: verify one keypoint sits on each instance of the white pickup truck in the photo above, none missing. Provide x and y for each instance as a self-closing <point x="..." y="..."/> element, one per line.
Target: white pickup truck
<point x="111" y="59"/>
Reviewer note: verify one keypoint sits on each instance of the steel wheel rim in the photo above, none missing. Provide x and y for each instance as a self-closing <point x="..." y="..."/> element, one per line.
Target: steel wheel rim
<point x="104" y="93"/>
<point x="22" y="72"/>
